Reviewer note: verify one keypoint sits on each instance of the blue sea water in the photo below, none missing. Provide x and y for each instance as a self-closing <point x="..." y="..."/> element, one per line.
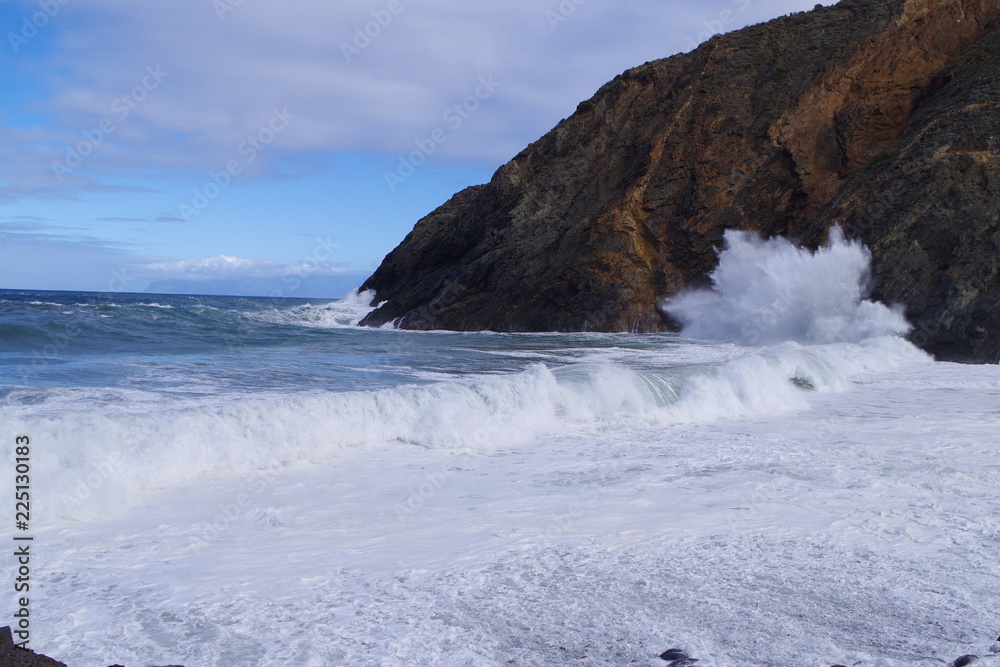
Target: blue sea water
<point x="187" y="346"/>
<point x="193" y="345"/>
<point x="251" y="481"/>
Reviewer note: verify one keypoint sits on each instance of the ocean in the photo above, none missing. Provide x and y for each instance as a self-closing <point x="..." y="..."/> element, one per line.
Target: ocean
<point x="259" y="482"/>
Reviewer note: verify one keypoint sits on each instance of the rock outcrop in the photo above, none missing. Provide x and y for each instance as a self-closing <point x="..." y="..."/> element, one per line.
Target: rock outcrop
<point x="14" y="656"/>
<point x="880" y="115"/>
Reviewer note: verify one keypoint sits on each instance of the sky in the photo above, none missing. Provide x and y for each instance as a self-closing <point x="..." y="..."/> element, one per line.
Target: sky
<point x="244" y="146"/>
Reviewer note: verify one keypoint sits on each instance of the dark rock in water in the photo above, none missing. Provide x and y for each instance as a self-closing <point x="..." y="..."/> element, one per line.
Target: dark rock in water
<point x="677" y="658"/>
<point x="673" y="654"/>
<point x="965" y="660"/>
<point x="803" y="383"/>
<point x="879" y="116"/>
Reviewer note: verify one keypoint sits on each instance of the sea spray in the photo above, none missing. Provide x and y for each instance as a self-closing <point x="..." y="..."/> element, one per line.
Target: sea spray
<point x="769" y="291"/>
<point x="346" y="312"/>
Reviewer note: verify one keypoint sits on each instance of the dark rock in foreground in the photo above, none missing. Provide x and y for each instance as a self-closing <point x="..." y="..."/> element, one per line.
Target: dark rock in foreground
<point x="965" y="660"/>
<point x="882" y="116"/>
<point x="13" y="656"/>
<point x="675" y="657"/>
<point x="673" y="654"/>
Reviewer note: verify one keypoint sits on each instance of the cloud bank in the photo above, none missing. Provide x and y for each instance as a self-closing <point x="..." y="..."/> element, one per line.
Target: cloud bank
<point x="127" y="88"/>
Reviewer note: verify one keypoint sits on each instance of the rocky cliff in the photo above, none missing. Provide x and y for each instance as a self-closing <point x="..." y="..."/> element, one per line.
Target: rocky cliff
<point x="880" y="115"/>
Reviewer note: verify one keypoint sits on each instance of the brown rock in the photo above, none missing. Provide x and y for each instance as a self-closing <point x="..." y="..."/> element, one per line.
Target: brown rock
<point x="930" y="212"/>
<point x="880" y="115"/>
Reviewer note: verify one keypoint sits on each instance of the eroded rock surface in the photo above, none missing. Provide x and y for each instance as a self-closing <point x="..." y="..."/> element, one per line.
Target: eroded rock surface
<point x="880" y="115"/>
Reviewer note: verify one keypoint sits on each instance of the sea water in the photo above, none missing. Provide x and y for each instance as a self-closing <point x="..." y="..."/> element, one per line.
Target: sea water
<point x="237" y="482"/>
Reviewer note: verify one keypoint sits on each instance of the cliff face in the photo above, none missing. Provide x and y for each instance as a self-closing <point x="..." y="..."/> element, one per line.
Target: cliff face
<point x="883" y="115"/>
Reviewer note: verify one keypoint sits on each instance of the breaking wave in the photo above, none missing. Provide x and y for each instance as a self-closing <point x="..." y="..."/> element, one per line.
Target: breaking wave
<point x="768" y="291"/>
<point x="113" y="458"/>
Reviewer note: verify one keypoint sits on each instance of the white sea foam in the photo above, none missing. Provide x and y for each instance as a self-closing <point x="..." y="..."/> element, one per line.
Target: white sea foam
<point x="596" y="508"/>
<point x="767" y="291"/>
<point x="347" y="312"/>
<point x="171" y="447"/>
<point x="828" y="536"/>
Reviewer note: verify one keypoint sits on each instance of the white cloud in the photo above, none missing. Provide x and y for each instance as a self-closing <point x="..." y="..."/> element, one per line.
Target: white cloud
<point x="224" y="77"/>
<point x="226" y="266"/>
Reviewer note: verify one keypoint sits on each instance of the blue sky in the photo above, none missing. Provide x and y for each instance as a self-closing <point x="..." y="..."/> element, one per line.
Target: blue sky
<point x="222" y="140"/>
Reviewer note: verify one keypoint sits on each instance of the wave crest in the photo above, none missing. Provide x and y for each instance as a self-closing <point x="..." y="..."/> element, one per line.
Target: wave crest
<point x="115" y="457"/>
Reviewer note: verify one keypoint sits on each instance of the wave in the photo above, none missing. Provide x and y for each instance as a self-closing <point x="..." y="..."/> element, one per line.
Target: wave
<point x="51" y="329"/>
<point x="347" y="312"/>
<point x="767" y="291"/>
<point x="807" y="312"/>
<point x="116" y="456"/>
